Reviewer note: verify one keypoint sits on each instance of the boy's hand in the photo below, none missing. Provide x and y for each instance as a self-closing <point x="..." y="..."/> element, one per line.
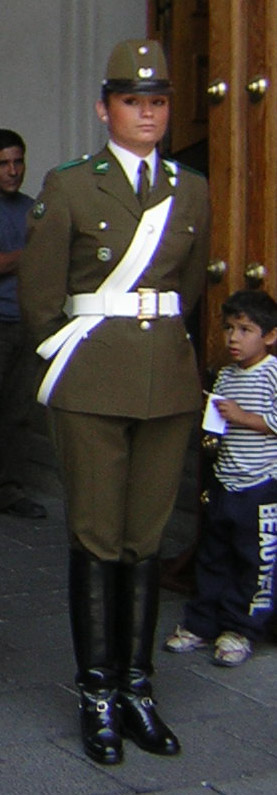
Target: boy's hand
<point x="229" y="410"/>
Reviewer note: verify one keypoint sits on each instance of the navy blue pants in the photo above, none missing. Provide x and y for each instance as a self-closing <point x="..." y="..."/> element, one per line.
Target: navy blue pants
<point x="17" y="374"/>
<point x="236" y="563"/>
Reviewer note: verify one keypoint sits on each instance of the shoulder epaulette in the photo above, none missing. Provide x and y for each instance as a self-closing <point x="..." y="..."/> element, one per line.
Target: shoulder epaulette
<point x="72" y="163"/>
<point x="168" y="162"/>
<point x="192" y="170"/>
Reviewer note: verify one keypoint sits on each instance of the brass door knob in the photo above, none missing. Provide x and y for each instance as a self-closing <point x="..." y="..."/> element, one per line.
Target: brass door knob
<point x="205" y="497"/>
<point x="217" y="91"/>
<point x="216" y="270"/>
<point x="210" y="444"/>
<point x="257" y="88"/>
<point x="255" y="273"/>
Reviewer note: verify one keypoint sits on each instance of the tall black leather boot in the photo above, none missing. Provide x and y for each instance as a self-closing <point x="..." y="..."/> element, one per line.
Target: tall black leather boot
<point x="92" y="586"/>
<point x="139" y="597"/>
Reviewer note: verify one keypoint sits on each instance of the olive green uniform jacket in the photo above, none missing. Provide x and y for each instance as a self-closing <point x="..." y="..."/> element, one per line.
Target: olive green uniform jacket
<point x="87" y="220"/>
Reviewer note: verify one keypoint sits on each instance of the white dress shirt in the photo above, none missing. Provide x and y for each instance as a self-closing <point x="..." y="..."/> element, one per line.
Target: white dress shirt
<point x="130" y="163"/>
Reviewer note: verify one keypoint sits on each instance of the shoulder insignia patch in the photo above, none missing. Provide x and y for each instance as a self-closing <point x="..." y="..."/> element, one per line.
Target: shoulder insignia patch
<point x="101" y="167"/>
<point x="38" y="209"/>
<point x="72" y="163"/>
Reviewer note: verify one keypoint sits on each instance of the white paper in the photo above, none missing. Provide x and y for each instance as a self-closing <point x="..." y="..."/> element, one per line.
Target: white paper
<point x="212" y="420"/>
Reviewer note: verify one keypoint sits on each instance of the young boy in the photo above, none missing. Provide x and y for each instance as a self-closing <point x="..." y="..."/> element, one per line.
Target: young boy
<point x="237" y="558"/>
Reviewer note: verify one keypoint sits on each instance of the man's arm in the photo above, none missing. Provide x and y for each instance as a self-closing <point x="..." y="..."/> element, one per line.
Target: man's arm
<point x="9" y="261"/>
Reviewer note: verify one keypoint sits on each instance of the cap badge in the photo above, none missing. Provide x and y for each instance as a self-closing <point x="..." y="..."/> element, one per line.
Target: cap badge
<point x="39" y="209"/>
<point x="104" y="254"/>
<point x="101" y="167"/>
<point x="142" y="72"/>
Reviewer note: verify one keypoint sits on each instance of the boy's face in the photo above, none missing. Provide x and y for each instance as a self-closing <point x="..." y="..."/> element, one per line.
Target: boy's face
<point x="135" y="121"/>
<point x="244" y="340"/>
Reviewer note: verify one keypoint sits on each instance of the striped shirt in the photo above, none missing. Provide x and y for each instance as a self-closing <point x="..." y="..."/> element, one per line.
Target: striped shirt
<point x="247" y="457"/>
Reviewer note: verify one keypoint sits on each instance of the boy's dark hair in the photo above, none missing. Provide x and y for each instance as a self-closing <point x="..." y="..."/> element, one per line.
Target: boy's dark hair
<point x="256" y="304"/>
<point x="10" y="138"/>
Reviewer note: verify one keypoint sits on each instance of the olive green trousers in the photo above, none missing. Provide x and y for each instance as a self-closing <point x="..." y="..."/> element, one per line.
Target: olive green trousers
<point x="120" y="477"/>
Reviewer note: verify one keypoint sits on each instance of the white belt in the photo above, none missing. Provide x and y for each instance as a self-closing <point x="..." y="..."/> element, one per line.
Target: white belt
<point x="145" y="304"/>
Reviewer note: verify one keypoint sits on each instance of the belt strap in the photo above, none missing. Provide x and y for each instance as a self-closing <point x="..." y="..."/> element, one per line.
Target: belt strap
<point x="145" y="304"/>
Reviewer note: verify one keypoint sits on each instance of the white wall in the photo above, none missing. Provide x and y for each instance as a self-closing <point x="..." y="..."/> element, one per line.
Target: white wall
<point x="52" y="60"/>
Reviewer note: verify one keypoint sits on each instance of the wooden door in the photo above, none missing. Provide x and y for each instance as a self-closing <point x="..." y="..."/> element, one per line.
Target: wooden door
<point x="238" y="38"/>
<point x="243" y="158"/>
<point x="182" y="29"/>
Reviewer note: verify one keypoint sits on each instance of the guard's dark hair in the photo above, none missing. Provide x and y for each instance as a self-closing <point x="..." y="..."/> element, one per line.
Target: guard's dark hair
<point x="159" y="87"/>
<point x="10" y="138"/>
<point x="256" y="304"/>
<point x="105" y="95"/>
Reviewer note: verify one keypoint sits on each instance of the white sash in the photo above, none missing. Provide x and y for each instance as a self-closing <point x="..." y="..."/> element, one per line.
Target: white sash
<point x="122" y="278"/>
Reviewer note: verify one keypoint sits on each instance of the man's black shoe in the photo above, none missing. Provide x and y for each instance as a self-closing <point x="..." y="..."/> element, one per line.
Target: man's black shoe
<point x="100" y="727"/>
<point x="140" y="722"/>
<point x="26" y="509"/>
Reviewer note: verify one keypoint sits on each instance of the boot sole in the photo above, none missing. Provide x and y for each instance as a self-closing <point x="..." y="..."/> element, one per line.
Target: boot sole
<point x="109" y="760"/>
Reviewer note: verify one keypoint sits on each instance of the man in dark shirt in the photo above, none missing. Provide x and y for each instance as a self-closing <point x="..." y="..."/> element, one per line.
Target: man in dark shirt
<point x="16" y="361"/>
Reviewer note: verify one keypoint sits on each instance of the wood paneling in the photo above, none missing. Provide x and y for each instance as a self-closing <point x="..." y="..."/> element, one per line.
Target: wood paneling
<point x="227" y="154"/>
<point x="261" y="140"/>
<point x="243" y="158"/>
<point x="183" y="31"/>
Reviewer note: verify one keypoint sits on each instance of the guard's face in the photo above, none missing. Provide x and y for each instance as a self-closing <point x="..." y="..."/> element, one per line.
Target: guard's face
<point x="136" y="121"/>
<point x="12" y="169"/>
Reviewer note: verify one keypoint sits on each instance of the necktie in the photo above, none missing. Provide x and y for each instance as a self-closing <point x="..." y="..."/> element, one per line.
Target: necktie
<point x="143" y="182"/>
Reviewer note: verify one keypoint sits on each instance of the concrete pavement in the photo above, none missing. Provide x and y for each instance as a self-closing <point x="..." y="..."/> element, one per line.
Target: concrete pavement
<point x="226" y="719"/>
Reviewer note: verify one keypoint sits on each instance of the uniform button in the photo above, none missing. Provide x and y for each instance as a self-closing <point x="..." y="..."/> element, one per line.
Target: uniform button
<point x="145" y="325"/>
<point x="150" y="229"/>
<point x="104" y="254"/>
<point x="102" y="225"/>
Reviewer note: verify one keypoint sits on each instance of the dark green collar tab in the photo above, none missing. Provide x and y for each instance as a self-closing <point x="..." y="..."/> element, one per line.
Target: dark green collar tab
<point x="171" y="169"/>
<point x="101" y="167"/>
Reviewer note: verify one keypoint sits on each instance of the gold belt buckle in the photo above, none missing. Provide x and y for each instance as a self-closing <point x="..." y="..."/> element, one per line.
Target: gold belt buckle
<point x="148" y="305"/>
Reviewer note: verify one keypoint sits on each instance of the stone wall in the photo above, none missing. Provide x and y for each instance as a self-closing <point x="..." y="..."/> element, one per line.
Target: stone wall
<point x="52" y="59"/>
